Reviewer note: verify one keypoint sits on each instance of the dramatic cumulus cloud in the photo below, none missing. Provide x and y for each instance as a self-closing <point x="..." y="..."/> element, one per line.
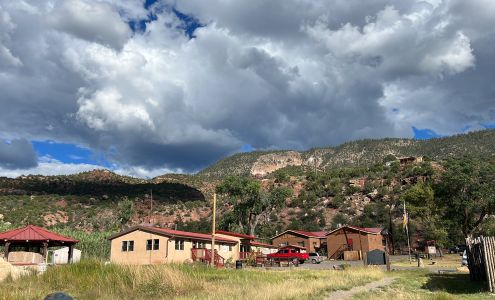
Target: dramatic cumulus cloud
<point x="271" y="74"/>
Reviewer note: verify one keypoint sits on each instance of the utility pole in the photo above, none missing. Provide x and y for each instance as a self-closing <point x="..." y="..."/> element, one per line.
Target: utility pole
<point x="151" y="206"/>
<point x="213" y="230"/>
<point x="405" y="224"/>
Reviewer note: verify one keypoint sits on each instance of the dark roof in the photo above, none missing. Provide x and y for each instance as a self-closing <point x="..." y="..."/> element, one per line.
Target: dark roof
<point x="172" y="233"/>
<point x="316" y="234"/>
<point x="370" y="230"/>
<point x="33" y="233"/>
<point x="239" y="235"/>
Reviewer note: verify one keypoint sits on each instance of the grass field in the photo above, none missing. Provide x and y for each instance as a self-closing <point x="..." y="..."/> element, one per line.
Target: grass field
<point x="94" y="280"/>
<point x="421" y="284"/>
<point x="452" y="261"/>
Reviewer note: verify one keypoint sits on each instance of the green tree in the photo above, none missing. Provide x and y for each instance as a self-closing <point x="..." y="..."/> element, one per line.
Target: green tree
<point x="423" y="209"/>
<point x="251" y="203"/>
<point x="339" y="220"/>
<point x="467" y="192"/>
<point x="125" y="211"/>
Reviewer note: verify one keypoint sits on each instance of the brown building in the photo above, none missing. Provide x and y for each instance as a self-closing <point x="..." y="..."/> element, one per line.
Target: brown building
<point x="142" y="245"/>
<point x="313" y="241"/>
<point x="351" y="238"/>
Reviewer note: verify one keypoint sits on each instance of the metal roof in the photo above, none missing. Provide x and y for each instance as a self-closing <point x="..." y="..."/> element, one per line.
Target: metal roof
<point x="172" y="233"/>
<point x="34" y="233"/>
<point x="370" y="230"/>
<point x="239" y="235"/>
<point x="316" y="234"/>
<point x="259" y="244"/>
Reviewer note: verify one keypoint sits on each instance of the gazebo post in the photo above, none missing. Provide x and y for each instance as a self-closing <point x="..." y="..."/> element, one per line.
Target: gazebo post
<point x="45" y="250"/>
<point x="71" y="253"/>
<point x="6" y="251"/>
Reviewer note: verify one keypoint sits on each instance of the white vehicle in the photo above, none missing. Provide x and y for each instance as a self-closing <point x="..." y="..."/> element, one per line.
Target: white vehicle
<point x="464" y="260"/>
<point x="315" y="258"/>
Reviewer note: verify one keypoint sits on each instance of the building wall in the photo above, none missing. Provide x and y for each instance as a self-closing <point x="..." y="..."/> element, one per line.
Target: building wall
<point x="140" y="256"/>
<point x="293" y="239"/>
<point x="263" y="250"/>
<point x="375" y="242"/>
<point x="236" y="248"/>
<point x="167" y="252"/>
<point x="360" y="241"/>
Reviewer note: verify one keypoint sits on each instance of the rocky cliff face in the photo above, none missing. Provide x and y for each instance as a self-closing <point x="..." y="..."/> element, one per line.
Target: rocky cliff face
<point x="269" y="163"/>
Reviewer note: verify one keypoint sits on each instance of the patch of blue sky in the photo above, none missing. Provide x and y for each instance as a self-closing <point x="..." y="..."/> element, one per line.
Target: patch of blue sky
<point x="189" y="23"/>
<point x="247" y="148"/>
<point x="424" y="134"/>
<point x="488" y="125"/>
<point x="69" y="153"/>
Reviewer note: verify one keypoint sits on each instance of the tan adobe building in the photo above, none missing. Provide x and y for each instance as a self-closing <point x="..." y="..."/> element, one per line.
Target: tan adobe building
<point x="141" y="245"/>
<point x="351" y="238"/>
<point x="313" y="241"/>
<point x="247" y="244"/>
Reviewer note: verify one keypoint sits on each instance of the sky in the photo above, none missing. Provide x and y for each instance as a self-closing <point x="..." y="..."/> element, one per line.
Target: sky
<point x="150" y="87"/>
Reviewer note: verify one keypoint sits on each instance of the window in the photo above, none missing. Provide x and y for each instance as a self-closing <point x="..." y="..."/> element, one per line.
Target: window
<point x="127" y="246"/>
<point x="230" y="248"/>
<point x="301" y="243"/>
<point x="153" y="244"/>
<point x="179" y="244"/>
<point x="197" y="244"/>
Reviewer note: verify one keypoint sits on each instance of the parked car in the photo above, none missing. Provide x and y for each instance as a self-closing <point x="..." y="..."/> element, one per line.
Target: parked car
<point x="464" y="260"/>
<point x="315" y="258"/>
<point x="457" y="249"/>
<point x="295" y="254"/>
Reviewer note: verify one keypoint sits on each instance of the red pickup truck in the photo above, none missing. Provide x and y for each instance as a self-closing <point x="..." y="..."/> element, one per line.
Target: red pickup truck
<point x="295" y="254"/>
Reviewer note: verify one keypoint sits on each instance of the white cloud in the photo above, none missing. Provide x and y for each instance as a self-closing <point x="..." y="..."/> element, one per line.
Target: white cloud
<point x="91" y="21"/>
<point x="289" y="74"/>
<point x="49" y="166"/>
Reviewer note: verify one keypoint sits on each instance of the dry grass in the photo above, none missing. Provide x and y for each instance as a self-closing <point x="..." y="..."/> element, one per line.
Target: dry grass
<point x="94" y="280"/>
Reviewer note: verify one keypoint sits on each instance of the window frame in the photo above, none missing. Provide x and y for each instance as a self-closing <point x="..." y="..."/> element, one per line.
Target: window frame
<point x="127" y="246"/>
<point x="179" y="245"/>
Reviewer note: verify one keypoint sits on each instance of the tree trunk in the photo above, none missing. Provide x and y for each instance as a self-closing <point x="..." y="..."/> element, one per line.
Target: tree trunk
<point x="253" y="224"/>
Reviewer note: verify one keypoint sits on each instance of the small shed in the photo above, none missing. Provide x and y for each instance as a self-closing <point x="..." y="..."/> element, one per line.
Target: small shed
<point x="34" y="239"/>
<point x="61" y="256"/>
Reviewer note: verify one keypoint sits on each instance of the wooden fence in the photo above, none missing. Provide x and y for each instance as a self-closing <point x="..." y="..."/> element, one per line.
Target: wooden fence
<point x="481" y="260"/>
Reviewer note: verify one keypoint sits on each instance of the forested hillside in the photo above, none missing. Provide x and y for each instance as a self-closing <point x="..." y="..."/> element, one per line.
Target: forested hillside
<point x="360" y="153"/>
<point x="362" y="183"/>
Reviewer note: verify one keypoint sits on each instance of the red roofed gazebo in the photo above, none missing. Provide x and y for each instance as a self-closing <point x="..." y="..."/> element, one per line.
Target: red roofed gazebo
<point x="37" y="237"/>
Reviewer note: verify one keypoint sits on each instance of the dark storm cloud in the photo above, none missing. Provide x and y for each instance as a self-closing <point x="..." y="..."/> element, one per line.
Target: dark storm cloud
<point x="17" y="154"/>
<point x="271" y="74"/>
